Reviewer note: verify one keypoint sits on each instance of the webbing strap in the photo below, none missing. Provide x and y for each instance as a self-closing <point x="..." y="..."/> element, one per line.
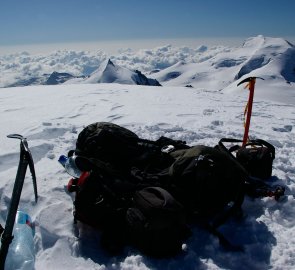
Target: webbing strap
<point x="223" y="148"/>
<point x="254" y="142"/>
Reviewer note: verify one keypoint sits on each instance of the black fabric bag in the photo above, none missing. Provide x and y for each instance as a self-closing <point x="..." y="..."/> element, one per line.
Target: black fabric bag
<point x="256" y="157"/>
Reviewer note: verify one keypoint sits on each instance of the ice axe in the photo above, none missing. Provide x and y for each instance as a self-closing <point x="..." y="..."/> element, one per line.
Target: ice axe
<point x="25" y="161"/>
<point x="251" y="85"/>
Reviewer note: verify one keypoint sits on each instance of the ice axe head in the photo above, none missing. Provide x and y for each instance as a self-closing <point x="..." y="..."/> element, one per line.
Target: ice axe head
<point x="26" y="153"/>
<point x="249" y="79"/>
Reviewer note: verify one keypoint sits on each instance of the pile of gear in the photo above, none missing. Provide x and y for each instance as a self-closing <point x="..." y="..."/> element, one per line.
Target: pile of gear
<point x="148" y="193"/>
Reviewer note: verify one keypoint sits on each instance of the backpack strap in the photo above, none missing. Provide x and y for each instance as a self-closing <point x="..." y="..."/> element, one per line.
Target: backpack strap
<point x="162" y="143"/>
<point x="257" y="188"/>
<point x="254" y="142"/>
<point x="229" y="151"/>
<point x="109" y="179"/>
<point x="232" y="210"/>
<point x="262" y="143"/>
<point x="222" y="239"/>
<point x="1" y="229"/>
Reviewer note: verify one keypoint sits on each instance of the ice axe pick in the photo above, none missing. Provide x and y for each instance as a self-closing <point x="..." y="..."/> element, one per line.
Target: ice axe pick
<point x="248" y="110"/>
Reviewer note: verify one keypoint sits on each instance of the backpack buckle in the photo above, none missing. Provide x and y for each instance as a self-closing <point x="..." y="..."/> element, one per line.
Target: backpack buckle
<point x="72" y="185"/>
<point x="167" y="148"/>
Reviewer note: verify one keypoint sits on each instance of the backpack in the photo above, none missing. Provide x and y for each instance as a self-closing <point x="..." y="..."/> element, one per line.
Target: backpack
<point x="122" y="148"/>
<point x="256" y="156"/>
<point x="108" y="197"/>
<point x="207" y="179"/>
<point x="109" y="143"/>
<point x="148" y="218"/>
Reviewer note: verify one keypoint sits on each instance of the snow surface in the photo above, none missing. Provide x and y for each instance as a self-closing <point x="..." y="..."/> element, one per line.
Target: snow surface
<point x="52" y="116"/>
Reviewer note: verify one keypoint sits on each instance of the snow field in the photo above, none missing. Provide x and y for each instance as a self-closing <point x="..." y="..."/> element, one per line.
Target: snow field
<point x="51" y="118"/>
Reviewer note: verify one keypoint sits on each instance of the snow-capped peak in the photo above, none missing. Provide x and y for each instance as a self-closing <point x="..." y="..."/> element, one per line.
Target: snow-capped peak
<point x="277" y="53"/>
<point x="108" y="72"/>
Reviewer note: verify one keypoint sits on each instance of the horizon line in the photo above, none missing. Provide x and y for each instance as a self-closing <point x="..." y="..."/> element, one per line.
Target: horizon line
<point x="114" y="46"/>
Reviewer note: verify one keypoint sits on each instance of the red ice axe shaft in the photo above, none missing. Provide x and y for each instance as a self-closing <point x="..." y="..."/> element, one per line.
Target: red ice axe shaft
<point x="251" y="86"/>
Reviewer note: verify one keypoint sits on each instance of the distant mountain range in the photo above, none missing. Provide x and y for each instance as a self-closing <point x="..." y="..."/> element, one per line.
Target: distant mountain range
<point x="214" y="69"/>
<point x="107" y="72"/>
<point x="46" y="79"/>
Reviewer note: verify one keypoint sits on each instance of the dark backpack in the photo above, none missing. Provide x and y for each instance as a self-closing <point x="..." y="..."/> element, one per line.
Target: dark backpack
<point x="256" y="156"/>
<point x="206" y="179"/>
<point x="122" y="148"/>
<point x="111" y="198"/>
<point x="255" y="159"/>
<point x="109" y="143"/>
<point x="148" y="218"/>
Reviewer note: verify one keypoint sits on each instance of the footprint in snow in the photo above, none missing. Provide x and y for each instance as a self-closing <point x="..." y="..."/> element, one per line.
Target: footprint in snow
<point x="116" y="107"/>
<point x="186" y="114"/>
<point x="48" y="133"/>
<point x="47" y="124"/>
<point x="217" y="123"/>
<point x="208" y="111"/>
<point x="115" y="117"/>
<point x="38" y="152"/>
<point x="287" y="128"/>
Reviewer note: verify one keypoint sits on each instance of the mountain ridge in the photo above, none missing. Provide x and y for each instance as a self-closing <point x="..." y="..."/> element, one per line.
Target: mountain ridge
<point x="276" y="54"/>
<point x="212" y="68"/>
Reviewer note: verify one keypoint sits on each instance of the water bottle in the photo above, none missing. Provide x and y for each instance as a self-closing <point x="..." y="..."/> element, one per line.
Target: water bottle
<point x="21" y="253"/>
<point x="70" y="165"/>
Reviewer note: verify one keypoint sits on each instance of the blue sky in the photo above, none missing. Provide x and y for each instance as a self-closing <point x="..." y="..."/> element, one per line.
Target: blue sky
<point x="60" y="21"/>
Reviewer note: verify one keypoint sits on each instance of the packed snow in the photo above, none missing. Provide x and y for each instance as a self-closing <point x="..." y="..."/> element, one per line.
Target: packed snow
<point x="51" y="117"/>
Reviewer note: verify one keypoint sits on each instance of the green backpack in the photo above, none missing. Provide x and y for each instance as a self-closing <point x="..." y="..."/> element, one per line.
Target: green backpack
<point x="206" y="179"/>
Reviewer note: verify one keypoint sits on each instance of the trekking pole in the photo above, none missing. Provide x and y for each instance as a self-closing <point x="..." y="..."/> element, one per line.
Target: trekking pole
<point x="251" y="86"/>
<point x="25" y="161"/>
